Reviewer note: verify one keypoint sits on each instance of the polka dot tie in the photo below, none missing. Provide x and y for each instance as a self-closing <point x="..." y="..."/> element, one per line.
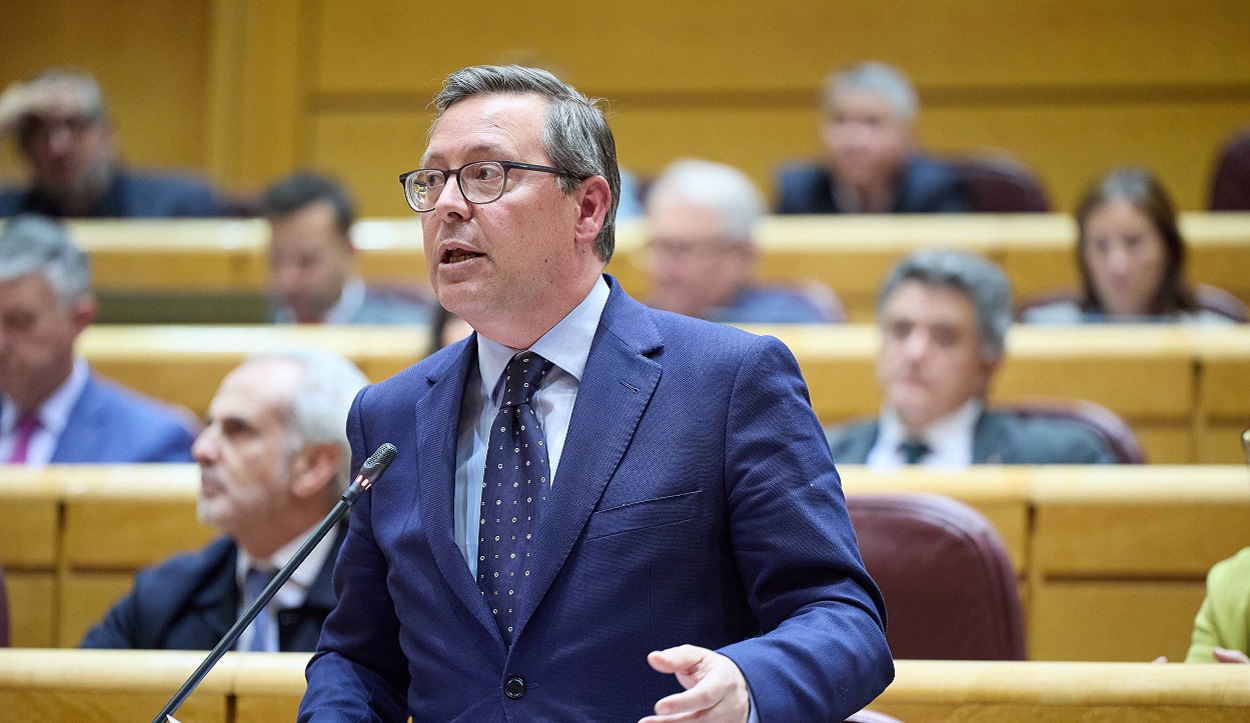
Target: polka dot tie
<point x="514" y="486"/>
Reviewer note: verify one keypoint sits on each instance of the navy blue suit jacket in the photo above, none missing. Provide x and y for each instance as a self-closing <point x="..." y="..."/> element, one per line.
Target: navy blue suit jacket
<point x="112" y="425"/>
<point x="130" y="195"/>
<point x="695" y="502"/>
<point x="189" y="602"/>
<point x="925" y="185"/>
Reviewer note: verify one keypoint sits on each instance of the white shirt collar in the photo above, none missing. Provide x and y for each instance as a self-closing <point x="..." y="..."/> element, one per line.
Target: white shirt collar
<point x="54" y="412"/>
<point x="566" y="345"/>
<point x="950" y="439"/>
<point x="350" y="303"/>
<point x="351" y="300"/>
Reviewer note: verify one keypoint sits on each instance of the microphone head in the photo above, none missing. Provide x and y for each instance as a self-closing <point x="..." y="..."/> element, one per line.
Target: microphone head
<point x="382" y="456"/>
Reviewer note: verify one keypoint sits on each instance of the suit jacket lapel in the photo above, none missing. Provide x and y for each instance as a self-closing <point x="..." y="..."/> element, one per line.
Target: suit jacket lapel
<point x="80" y="440"/>
<point x="616" y="387"/>
<point x="438" y="426"/>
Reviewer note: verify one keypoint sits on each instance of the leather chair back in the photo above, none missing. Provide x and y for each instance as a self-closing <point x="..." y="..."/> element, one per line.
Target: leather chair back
<point x="950" y="591"/>
<point x="1001" y="184"/>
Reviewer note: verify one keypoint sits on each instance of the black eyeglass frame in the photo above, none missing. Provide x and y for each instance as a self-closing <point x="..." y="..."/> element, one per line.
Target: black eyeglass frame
<point x="506" y="165"/>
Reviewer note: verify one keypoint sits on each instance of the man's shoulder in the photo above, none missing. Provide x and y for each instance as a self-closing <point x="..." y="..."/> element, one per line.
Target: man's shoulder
<point x="167" y="195"/>
<point x="1011" y="438"/>
<point x="850" y="442"/>
<point x="12" y="201"/>
<point x="931" y="184"/>
<point x="132" y="407"/>
<point x="174" y="572"/>
<point x="775" y="305"/>
<point x="389" y="306"/>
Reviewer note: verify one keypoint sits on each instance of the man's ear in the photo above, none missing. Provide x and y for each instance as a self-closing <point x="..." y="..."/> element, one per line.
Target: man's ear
<point x="313" y="469"/>
<point x="594" y="199"/>
<point x="83" y="312"/>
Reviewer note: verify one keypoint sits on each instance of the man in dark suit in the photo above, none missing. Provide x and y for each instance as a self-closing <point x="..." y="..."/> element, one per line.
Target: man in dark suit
<point x="701" y="219"/>
<point x="53" y="409"/>
<point x="64" y="134"/>
<point x="594" y="504"/>
<point x="944" y="317"/>
<point x="872" y="164"/>
<point x="273" y="461"/>
<point x="312" y="260"/>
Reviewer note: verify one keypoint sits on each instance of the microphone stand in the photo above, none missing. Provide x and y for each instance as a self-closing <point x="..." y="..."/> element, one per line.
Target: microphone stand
<point x="369" y="472"/>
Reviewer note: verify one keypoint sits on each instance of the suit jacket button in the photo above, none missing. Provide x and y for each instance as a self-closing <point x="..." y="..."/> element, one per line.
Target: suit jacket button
<point x="514" y="687"/>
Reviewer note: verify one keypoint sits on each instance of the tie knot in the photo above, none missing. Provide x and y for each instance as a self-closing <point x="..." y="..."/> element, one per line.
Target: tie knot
<point x="522" y="377"/>
<point x="914" y="450"/>
<point x="257" y="580"/>
<point x="27" y="423"/>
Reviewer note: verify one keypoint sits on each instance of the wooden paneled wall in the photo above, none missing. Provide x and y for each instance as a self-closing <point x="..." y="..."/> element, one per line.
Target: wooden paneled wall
<point x="249" y="90"/>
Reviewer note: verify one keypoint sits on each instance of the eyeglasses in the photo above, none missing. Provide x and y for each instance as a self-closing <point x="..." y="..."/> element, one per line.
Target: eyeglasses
<point x="480" y="182"/>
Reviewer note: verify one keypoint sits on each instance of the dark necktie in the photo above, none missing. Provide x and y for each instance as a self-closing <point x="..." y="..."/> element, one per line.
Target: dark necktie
<point x="257" y="580"/>
<point x="515" y="483"/>
<point x="914" y="450"/>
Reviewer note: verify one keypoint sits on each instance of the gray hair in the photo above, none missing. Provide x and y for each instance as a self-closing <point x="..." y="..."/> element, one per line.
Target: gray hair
<point x="83" y="83"/>
<point x="879" y="79"/>
<point x="318" y="413"/>
<point x="575" y="136"/>
<point x="981" y="281"/>
<point x="34" y="244"/>
<point x="718" y="187"/>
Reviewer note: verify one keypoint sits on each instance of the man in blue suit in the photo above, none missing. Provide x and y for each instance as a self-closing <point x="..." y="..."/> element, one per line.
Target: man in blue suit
<point x="53" y="409"/>
<point x="63" y="133"/>
<point x="594" y="504"/>
<point x="872" y="164"/>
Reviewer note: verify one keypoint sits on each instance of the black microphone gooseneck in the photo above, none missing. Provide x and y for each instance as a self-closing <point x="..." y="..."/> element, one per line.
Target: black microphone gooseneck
<point x="370" y="472"/>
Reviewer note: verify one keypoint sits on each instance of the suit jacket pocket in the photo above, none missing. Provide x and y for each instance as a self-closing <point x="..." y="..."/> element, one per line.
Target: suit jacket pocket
<point x="641" y="515"/>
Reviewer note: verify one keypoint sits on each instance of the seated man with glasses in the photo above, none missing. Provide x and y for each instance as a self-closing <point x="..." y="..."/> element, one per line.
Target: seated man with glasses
<point x="64" y="135"/>
<point x="701" y="217"/>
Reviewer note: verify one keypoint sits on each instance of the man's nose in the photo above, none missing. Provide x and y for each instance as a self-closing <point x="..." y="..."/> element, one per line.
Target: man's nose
<point x="451" y="204"/>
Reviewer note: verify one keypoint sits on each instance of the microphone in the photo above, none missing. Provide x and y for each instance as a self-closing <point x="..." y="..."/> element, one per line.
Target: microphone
<point x="371" y="471"/>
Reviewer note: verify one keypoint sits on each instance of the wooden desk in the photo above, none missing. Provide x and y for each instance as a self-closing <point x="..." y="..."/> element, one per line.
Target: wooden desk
<point x="851" y="254"/>
<point x="931" y="691"/>
<point x="109" y="686"/>
<point x="1119" y="560"/>
<point x="30" y="507"/>
<point x="1155" y="377"/>
<point x="185" y="364"/>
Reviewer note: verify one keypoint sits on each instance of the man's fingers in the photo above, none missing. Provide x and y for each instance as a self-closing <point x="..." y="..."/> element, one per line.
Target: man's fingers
<point x="681" y="659"/>
<point x="705" y="694"/>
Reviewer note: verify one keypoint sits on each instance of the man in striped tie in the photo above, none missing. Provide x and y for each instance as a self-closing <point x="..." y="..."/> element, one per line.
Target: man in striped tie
<point x="273" y="461"/>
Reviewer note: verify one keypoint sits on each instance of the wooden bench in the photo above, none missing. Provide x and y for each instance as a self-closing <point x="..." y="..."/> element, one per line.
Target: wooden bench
<point x="852" y="255"/>
<point x="1152" y="376"/>
<point x="1118" y="553"/>
<point x="125" y="686"/>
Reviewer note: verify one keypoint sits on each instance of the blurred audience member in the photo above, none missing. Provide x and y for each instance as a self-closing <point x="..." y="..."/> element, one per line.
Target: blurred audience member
<point x="64" y="134"/>
<point x="944" y="317"/>
<point x="872" y="164"/>
<point x="53" y="409"/>
<point x="1131" y="257"/>
<point x="1230" y="188"/>
<point x="273" y="461"/>
<point x="701" y="217"/>
<point x="312" y="261"/>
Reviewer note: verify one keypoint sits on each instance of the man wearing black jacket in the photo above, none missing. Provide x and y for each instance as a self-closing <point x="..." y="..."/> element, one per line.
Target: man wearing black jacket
<point x="273" y="461"/>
